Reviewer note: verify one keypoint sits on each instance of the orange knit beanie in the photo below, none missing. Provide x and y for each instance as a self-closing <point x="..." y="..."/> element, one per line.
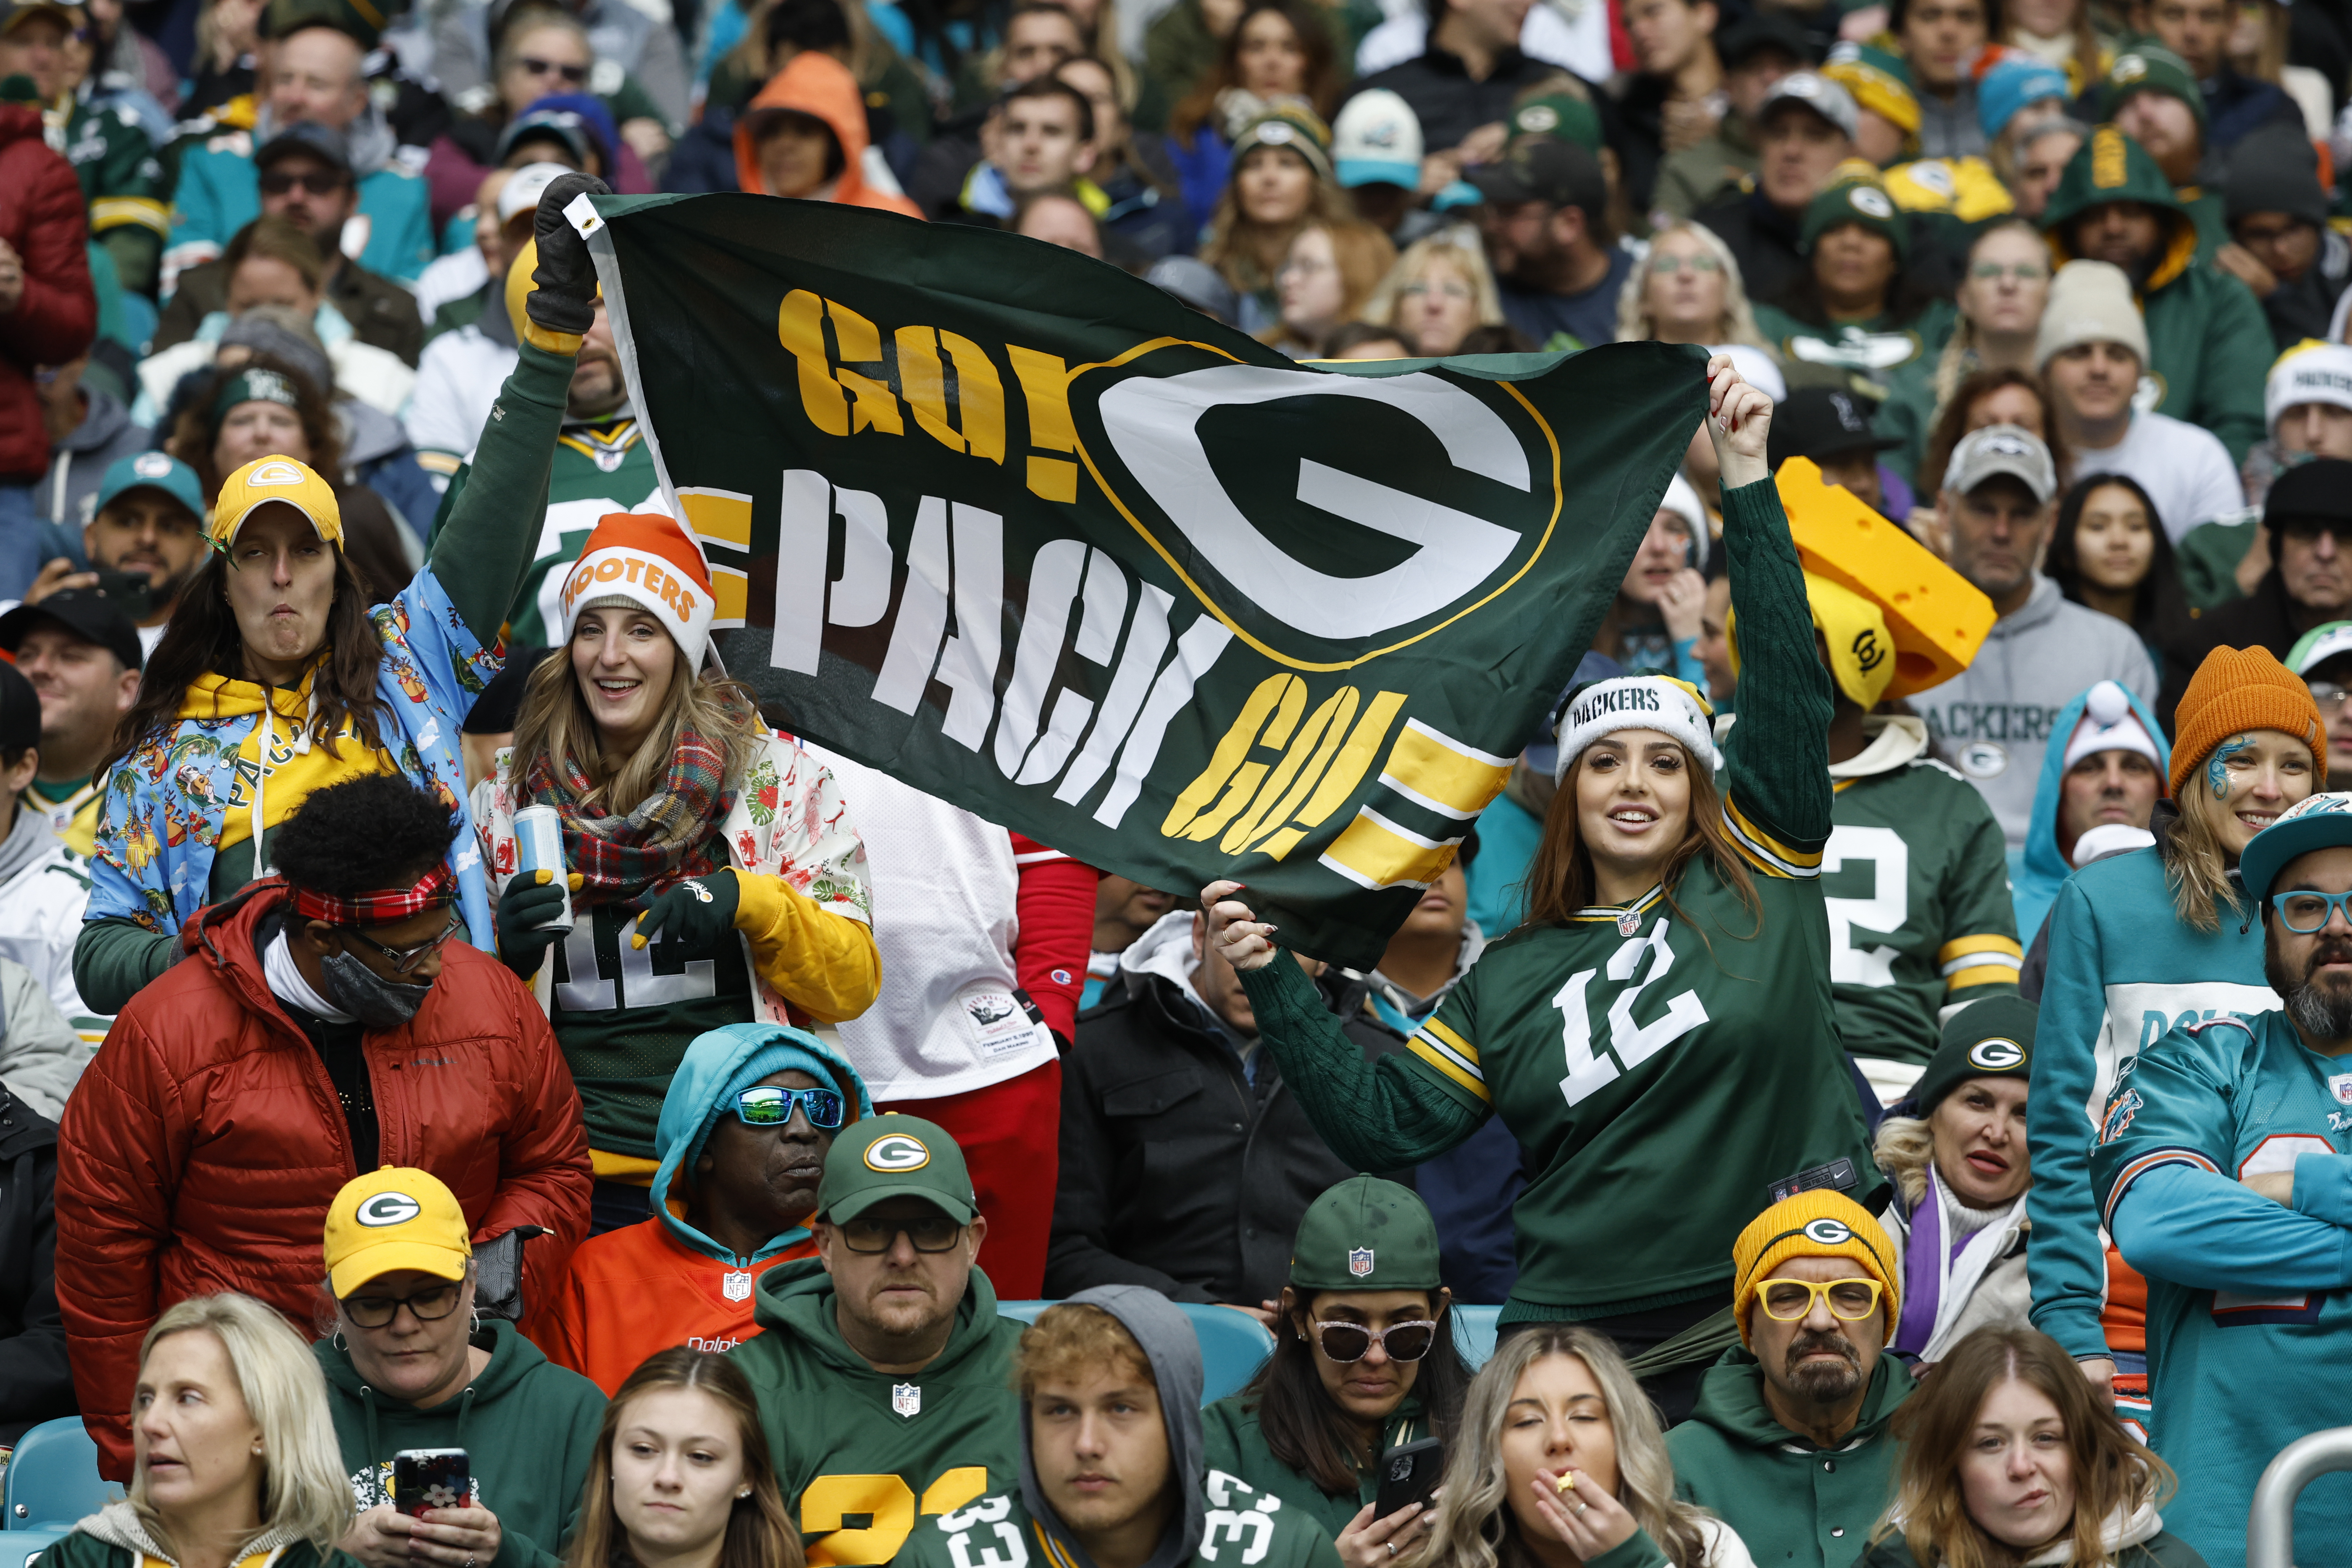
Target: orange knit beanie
<point x="2236" y="690"/>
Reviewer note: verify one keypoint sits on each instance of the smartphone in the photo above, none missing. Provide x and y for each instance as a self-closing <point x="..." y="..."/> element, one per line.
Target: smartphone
<point x="127" y="590"/>
<point x="1409" y="1473"/>
<point x="430" y="1477"/>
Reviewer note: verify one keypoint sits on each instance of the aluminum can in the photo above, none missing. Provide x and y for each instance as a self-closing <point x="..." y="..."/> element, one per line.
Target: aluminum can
<point x="539" y="846"/>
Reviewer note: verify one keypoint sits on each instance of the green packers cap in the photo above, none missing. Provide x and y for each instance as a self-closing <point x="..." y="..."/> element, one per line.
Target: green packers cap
<point x="1365" y="1235"/>
<point x="895" y="1156"/>
<point x="1991" y="1038"/>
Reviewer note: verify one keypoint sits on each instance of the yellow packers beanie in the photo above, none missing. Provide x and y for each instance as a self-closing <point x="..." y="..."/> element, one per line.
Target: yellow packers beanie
<point x="2237" y="689"/>
<point x="1823" y="1222"/>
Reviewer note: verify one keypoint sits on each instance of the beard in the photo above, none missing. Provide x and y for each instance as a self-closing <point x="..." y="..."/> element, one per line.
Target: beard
<point x="597" y="387"/>
<point x="2321" y="1009"/>
<point x="1824" y="1382"/>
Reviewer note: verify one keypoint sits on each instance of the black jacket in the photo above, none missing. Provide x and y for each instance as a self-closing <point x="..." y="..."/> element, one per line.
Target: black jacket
<point x="1450" y="105"/>
<point x="2264" y="618"/>
<point x="1176" y="1172"/>
<point x="1762" y="238"/>
<point x="35" y="1384"/>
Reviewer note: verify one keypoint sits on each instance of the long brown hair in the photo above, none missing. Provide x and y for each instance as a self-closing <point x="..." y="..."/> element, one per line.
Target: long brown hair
<point x="1306" y="1431"/>
<point x="1249" y="255"/>
<point x="760" y="1533"/>
<point x="203" y="639"/>
<point x="1323" y="82"/>
<point x="554" y="721"/>
<point x="2112" y="1471"/>
<point x="1561" y="882"/>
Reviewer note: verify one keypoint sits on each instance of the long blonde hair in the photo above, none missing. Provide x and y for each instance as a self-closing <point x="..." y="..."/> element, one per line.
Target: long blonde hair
<point x="1475" y="1526"/>
<point x="1414" y="266"/>
<point x="2195" y="866"/>
<point x="304" y="1491"/>
<point x="1904" y="1148"/>
<point x="555" y="721"/>
<point x="1737" y="322"/>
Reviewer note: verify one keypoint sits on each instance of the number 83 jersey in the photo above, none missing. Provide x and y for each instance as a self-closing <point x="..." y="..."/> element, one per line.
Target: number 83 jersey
<point x="1241" y="1528"/>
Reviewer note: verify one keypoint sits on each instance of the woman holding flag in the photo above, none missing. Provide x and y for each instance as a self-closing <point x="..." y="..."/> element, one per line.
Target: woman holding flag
<point x="1674" y="945"/>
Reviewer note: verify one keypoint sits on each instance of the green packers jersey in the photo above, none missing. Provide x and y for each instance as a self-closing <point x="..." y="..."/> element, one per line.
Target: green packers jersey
<point x="625" y="1017"/>
<point x="1236" y="1444"/>
<point x="863" y="1456"/>
<point x="598" y="469"/>
<point x="1916" y="881"/>
<point x="1245" y="1528"/>
<point x="123" y="182"/>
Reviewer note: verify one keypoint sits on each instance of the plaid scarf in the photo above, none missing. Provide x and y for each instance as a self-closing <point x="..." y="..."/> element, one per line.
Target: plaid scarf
<point x="673" y="832"/>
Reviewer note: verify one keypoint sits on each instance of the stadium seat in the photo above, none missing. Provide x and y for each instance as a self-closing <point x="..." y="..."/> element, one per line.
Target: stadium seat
<point x="1474" y="1332"/>
<point x="53" y="1480"/>
<point x="1232" y="1344"/>
<point x="21" y="1548"/>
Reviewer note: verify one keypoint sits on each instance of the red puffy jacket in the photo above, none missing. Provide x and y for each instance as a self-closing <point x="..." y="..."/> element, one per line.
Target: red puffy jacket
<point x="204" y="1141"/>
<point x="41" y="219"/>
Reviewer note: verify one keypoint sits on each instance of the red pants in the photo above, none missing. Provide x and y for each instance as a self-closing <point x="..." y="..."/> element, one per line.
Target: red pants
<point x="1010" y="1135"/>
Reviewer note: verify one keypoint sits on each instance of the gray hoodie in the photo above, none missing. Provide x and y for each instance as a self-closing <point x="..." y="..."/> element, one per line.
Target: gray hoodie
<point x="1993" y="718"/>
<point x="68" y="493"/>
<point x="1174" y="1351"/>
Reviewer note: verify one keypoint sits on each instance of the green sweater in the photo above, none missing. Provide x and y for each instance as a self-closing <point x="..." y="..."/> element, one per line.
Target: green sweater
<point x="1792" y="1503"/>
<point x="83" y="1550"/>
<point x="1233" y="1443"/>
<point x="528" y="1426"/>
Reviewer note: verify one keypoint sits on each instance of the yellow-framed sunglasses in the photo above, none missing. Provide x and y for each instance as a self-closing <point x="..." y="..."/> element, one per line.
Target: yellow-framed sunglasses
<point x="1851" y="1300"/>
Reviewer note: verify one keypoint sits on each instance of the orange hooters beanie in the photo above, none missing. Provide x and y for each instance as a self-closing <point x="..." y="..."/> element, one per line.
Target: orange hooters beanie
<point x="2237" y="689"/>
<point x="647" y="560"/>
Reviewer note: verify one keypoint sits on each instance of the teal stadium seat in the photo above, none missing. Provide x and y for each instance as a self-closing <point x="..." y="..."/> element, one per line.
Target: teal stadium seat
<point x="52" y="1482"/>
<point x="1233" y="1345"/>
<point x="1474" y="1332"/>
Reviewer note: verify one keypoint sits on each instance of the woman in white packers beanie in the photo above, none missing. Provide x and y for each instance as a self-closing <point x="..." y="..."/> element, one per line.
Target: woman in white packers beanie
<point x="715" y="877"/>
<point x="1661" y="1028"/>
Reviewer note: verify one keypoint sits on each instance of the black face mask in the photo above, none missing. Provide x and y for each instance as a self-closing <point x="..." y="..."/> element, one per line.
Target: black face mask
<point x="376" y="1002"/>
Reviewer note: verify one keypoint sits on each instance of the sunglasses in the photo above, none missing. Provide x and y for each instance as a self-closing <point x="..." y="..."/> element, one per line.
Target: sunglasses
<point x="934" y="1234"/>
<point x="572" y="75"/>
<point x="404" y="959"/>
<point x="1851" y="1300"/>
<point x="769" y="1106"/>
<point x="317" y="182"/>
<point x="1353" y="1341"/>
<point x="430" y="1306"/>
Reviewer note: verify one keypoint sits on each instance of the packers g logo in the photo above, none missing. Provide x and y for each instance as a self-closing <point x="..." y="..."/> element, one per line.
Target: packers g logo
<point x="388" y="1208"/>
<point x="897" y="1151"/>
<point x="1828" y="1232"/>
<point x="1870" y="201"/>
<point x="1995" y="1055"/>
<point x="276" y="471"/>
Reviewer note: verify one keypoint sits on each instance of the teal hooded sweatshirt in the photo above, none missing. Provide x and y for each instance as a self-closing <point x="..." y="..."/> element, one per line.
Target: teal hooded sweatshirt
<point x="527" y="1427"/>
<point x="2037" y="871"/>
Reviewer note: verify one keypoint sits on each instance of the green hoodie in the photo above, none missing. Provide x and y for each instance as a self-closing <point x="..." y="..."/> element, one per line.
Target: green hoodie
<point x="2208" y="340"/>
<point x="527" y="1427"/>
<point x="1237" y="1445"/>
<point x="848" y="1441"/>
<point x="1792" y="1503"/>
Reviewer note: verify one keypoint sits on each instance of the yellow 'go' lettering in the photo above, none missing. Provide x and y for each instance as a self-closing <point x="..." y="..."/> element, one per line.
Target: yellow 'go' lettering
<point x="887" y="1504"/>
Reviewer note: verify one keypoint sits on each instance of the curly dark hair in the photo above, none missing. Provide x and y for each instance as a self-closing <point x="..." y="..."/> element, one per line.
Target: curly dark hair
<point x="195" y="430"/>
<point x="380" y="831"/>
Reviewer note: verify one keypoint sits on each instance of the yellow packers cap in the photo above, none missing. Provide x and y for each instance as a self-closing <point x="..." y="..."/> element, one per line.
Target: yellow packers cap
<point x="276" y="478"/>
<point x="1823" y="1222"/>
<point x="392" y="1219"/>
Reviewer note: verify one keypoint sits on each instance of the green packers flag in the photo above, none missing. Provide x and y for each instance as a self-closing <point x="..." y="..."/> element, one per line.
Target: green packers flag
<point x="1027" y="533"/>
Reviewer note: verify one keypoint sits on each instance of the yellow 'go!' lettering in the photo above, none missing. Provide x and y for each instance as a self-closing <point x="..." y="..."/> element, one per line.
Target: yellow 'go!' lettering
<point x="887" y="1502"/>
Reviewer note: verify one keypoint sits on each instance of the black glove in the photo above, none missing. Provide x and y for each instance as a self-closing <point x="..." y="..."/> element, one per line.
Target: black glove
<point x="563" y="285"/>
<point x="696" y="915"/>
<point x="498" y="1272"/>
<point x="527" y="902"/>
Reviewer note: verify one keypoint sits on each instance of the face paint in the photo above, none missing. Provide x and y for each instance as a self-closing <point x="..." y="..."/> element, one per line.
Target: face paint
<point x="2217" y="766"/>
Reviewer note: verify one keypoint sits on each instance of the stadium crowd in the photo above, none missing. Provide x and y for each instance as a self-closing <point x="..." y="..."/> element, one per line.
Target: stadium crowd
<point x="438" y="1012"/>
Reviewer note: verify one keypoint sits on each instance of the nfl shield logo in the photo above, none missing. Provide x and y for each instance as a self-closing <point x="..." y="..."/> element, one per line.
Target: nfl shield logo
<point x="738" y="1284"/>
<point x="1359" y="1262"/>
<point x="907" y="1398"/>
<point x="2340" y="1086"/>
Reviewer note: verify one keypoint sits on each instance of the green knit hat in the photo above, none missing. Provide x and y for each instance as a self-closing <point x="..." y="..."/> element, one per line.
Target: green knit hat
<point x="1991" y="1038"/>
<point x="1880" y="82"/>
<point x="1366" y="1235"/>
<point x="2150" y="68"/>
<point x="1856" y="200"/>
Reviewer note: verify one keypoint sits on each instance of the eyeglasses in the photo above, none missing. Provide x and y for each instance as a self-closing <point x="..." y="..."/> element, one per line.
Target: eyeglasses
<point x="2328" y="695"/>
<point x="1353" y="1341"/>
<point x="2023" y="271"/>
<point x="1458" y="292"/>
<point x="769" y="1106"/>
<point x="429" y="1306"/>
<point x="317" y="182"/>
<point x="934" y="1234"/>
<point x="406" y="959"/>
<point x="2306" y="912"/>
<point x="572" y="75"/>
<point x="1305" y="268"/>
<point x="1851" y="1300"/>
<point x="1667" y="266"/>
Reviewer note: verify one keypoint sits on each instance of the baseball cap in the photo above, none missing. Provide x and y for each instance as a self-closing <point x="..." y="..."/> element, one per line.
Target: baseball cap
<point x="1880" y="82"/>
<point x="1559" y="114"/>
<point x="321" y="142"/>
<point x="2150" y="68"/>
<point x="1366" y="1233"/>
<point x="2315" y="822"/>
<point x="24" y="11"/>
<point x="392" y="1219"/>
<point x="155" y="471"/>
<point x="524" y="188"/>
<point x="1816" y="93"/>
<point x="85" y="612"/>
<point x="565" y="125"/>
<point x="1543" y="169"/>
<point x="20" y="712"/>
<point x="1819" y="422"/>
<point x="1375" y="141"/>
<point x="278" y="478"/>
<point x="2313" y="648"/>
<point x="1998" y="449"/>
<point x="895" y="1156"/>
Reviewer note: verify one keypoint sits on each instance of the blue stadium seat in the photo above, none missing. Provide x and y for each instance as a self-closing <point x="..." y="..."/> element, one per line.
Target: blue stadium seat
<point x="1474" y="1334"/>
<point x="52" y="1480"/>
<point x="1232" y="1344"/>
<point x="21" y="1548"/>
